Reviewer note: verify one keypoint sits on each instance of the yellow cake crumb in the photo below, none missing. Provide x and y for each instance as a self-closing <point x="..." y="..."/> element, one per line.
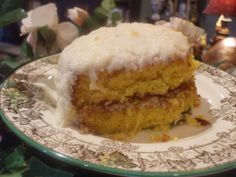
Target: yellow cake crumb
<point x="164" y="137"/>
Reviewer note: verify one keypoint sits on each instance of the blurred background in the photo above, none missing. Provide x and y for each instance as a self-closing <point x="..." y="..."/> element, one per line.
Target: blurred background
<point x="133" y="10"/>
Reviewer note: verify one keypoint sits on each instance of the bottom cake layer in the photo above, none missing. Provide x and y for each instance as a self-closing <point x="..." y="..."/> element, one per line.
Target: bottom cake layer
<point x="128" y="118"/>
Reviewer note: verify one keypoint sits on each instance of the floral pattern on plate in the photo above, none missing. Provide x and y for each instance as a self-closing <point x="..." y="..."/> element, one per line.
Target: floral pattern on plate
<point x="26" y="106"/>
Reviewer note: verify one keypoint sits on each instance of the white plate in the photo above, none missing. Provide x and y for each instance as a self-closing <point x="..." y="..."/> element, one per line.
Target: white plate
<point x="27" y="104"/>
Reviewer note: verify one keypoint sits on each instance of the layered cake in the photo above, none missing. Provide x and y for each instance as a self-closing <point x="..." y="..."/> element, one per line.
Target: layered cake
<point x="119" y="80"/>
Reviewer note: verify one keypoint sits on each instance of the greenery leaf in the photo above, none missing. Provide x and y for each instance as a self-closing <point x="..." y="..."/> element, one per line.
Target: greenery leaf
<point x="15" y="161"/>
<point x="9" y="5"/>
<point x="11" y="62"/>
<point x="26" y="50"/>
<point x="39" y="169"/>
<point x="12" y="175"/>
<point x="90" y="24"/>
<point x="100" y="12"/>
<point x="12" y="17"/>
<point x="101" y="16"/>
<point x="115" y="17"/>
<point x="47" y="37"/>
<point x="108" y="4"/>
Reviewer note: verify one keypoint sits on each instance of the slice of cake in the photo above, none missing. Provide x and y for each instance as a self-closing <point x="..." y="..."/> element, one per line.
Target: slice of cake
<point x="119" y="80"/>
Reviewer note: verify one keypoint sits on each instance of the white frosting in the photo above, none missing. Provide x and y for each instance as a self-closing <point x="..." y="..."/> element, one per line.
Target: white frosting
<point x="129" y="46"/>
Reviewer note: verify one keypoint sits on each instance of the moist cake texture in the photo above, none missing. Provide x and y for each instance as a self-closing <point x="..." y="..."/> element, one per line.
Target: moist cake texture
<point x="123" y="79"/>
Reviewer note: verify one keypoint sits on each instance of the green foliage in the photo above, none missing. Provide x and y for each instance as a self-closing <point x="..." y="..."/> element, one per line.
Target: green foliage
<point x="108" y="5"/>
<point x="101" y="12"/>
<point x="38" y="168"/>
<point x="115" y="17"/>
<point x="14" y="162"/>
<point x="47" y="37"/>
<point x="89" y="25"/>
<point x="26" y="50"/>
<point x="101" y="15"/>
<point x="105" y="9"/>
<point x="12" y="175"/>
<point x="10" y="62"/>
<point x="17" y="166"/>
<point x="11" y="11"/>
<point x="12" y="17"/>
<point x="9" y="5"/>
<point x="108" y="11"/>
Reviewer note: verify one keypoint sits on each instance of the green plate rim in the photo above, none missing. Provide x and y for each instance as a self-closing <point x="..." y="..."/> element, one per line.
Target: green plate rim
<point x="104" y="169"/>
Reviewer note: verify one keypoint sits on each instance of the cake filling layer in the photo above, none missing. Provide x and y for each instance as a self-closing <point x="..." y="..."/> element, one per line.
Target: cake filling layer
<point x="120" y="85"/>
<point x="137" y="113"/>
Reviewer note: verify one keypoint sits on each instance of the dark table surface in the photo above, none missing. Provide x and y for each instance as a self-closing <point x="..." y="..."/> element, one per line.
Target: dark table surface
<point x="9" y="140"/>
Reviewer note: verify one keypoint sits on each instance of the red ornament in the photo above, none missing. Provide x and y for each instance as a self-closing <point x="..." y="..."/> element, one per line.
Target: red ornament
<point x="218" y="7"/>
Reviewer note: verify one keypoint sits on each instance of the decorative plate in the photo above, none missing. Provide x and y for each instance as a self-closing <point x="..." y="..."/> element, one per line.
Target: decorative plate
<point x="27" y="104"/>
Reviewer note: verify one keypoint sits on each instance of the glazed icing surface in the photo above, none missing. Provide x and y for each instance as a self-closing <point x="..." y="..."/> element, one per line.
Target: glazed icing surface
<point x="128" y="46"/>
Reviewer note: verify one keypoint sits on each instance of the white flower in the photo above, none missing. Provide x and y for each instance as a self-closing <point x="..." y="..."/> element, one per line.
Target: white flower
<point x="186" y="27"/>
<point x="46" y="15"/>
<point x="77" y="15"/>
<point x="66" y="32"/>
<point x="42" y="16"/>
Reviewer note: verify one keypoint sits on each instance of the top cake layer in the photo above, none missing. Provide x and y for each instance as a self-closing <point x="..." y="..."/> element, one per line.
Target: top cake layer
<point x="129" y="46"/>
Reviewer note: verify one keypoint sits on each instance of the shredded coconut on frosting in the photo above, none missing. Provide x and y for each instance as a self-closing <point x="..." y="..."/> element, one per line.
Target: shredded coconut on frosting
<point x="128" y="46"/>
